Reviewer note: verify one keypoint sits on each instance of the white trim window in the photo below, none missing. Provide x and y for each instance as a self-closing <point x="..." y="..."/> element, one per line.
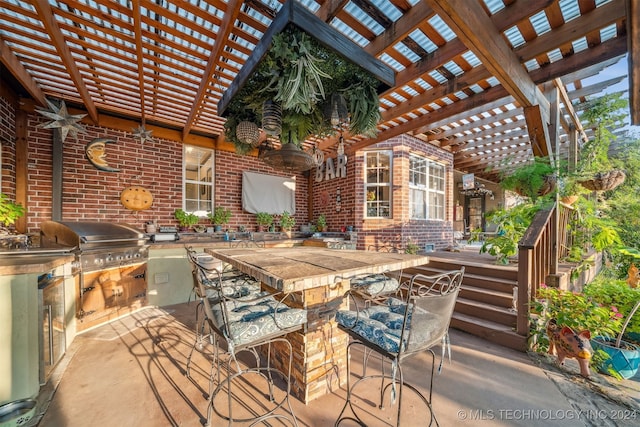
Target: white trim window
<point x="378" y="181"/>
<point x="426" y="188"/>
<point x="197" y="180"/>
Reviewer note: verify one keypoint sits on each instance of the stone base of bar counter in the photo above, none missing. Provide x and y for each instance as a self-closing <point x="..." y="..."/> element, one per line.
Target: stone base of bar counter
<point x="320" y="350"/>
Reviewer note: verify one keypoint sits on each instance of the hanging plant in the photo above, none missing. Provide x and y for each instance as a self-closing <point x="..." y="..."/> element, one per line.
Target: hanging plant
<point x="364" y="108"/>
<point x="301" y="74"/>
<point x="534" y="179"/>
<point x="596" y="170"/>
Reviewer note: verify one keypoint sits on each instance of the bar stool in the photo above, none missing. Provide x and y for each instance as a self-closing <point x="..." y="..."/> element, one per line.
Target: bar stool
<point x="397" y="330"/>
<point x="234" y="284"/>
<point x="248" y="325"/>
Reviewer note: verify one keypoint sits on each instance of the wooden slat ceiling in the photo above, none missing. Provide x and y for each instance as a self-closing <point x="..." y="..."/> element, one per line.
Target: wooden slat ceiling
<point x="470" y="74"/>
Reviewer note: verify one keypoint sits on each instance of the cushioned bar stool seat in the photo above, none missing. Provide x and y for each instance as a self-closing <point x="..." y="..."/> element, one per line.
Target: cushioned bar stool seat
<point x="215" y="274"/>
<point x="256" y="324"/>
<point x="375" y="284"/>
<point x="398" y="329"/>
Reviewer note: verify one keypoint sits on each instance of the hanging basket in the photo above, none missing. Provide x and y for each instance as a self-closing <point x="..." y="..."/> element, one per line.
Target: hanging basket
<point x="547" y="187"/>
<point x="248" y="133"/>
<point x="272" y="118"/>
<point x="569" y="200"/>
<point x="604" y="181"/>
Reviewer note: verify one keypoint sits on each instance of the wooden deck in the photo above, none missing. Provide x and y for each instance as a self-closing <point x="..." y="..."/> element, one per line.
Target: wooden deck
<point x="470" y="255"/>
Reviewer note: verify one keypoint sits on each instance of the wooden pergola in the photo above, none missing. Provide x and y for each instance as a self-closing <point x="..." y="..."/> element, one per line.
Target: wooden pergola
<point x="489" y="80"/>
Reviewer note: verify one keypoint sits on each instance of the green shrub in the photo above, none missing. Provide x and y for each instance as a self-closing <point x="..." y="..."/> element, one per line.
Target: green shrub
<point x="511" y="225"/>
<point x="616" y="294"/>
<point x="577" y="311"/>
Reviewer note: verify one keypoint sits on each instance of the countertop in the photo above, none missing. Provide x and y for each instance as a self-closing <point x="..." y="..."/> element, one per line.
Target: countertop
<point x="29" y="262"/>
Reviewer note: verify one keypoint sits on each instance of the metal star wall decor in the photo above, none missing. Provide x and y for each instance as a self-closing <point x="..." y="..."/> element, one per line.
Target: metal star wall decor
<point x="143" y="134"/>
<point x="67" y="123"/>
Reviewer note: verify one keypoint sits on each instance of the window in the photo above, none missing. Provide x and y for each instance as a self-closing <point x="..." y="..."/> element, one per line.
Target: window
<point x="426" y="188"/>
<point x="197" y="180"/>
<point x="378" y="184"/>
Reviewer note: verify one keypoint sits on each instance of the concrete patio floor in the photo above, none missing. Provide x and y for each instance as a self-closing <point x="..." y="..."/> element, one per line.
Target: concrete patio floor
<point x="131" y="372"/>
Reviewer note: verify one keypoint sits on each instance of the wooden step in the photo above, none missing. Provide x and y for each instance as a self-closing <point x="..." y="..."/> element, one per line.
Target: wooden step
<point x="502" y="315"/>
<point x="485" y="280"/>
<point x="488" y="296"/>
<point x="509" y="272"/>
<point x="491" y="331"/>
<point x="485" y="303"/>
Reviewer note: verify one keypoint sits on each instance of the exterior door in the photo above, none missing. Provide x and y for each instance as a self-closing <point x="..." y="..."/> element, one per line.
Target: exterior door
<point x="474" y="213"/>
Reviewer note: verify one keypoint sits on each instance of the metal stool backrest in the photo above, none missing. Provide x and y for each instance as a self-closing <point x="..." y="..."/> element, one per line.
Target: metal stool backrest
<point x="431" y="301"/>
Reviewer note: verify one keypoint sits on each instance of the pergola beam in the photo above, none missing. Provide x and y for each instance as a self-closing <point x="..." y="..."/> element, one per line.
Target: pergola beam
<point x="45" y="13"/>
<point x="137" y="22"/>
<point x="20" y="73"/>
<point x="227" y="24"/>
<point x="568" y="106"/>
<point x="476" y="30"/>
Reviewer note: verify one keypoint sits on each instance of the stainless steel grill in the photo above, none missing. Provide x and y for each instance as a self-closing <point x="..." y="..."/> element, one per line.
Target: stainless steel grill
<point x="112" y="261"/>
<point x="98" y="245"/>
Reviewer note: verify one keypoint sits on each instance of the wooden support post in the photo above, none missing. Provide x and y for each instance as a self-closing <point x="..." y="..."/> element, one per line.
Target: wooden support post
<point x="22" y="155"/>
<point x="56" y="181"/>
<point x="573" y="149"/>
<point x="554" y="141"/>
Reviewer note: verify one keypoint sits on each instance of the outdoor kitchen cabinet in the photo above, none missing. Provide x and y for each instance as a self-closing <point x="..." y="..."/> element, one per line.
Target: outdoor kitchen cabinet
<point x="169" y="278"/>
<point x="20" y="321"/>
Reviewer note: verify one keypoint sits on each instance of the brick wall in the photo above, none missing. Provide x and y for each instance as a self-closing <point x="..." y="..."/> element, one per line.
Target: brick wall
<point x="228" y="192"/>
<point x="89" y="193"/>
<point x="325" y="195"/>
<point x="92" y="194"/>
<point x="399" y="229"/>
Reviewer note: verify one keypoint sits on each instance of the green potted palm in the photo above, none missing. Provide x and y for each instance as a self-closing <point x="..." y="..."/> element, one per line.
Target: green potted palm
<point x="9" y="213"/>
<point x="185" y="220"/>
<point x="264" y="220"/>
<point x="219" y="217"/>
<point x="511" y="224"/>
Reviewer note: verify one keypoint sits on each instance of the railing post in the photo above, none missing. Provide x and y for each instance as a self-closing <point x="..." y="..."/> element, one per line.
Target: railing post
<point x="525" y="271"/>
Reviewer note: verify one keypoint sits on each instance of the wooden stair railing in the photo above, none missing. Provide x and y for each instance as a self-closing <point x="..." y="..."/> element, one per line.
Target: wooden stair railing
<point x="546" y="241"/>
<point x="537" y="258"/>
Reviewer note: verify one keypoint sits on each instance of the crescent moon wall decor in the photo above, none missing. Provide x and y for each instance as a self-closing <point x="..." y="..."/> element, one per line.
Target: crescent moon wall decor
<point x="96" y="153"/>
<point x="136" y="198"/>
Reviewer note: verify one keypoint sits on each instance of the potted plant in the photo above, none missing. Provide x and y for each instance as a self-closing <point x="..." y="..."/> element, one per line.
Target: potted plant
<point x="9" y="213"/>
<point x="185" y="220"/>
<point x="574" y="310"/>
<point x="618" y="294"/>
<point x="287" y="222"/>
<point x="321" y="223"/>
<point x="219" y="217"/>
<point x="264" y="220"/>
<point x="534" y="179"/>
<point x="596" y="170"/>
<point x="411" y="248"/>
<point x="570" y="189"/>
<point x="299" y="74"/>
<point x="624" y="357"/>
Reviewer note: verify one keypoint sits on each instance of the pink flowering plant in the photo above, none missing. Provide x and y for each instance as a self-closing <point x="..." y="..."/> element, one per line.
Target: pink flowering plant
<point x="617" y="294"/>
<point x="575" y="310"/>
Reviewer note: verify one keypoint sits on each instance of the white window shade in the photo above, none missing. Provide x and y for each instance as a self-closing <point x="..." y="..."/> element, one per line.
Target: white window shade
<point x="268" y="193"/>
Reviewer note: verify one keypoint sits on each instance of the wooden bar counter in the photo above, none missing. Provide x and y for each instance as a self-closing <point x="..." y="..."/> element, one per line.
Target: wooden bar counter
<point x="317" y="278"/>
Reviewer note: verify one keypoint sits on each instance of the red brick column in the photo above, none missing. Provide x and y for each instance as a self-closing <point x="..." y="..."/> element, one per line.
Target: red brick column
<point x="320" y="349"/>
